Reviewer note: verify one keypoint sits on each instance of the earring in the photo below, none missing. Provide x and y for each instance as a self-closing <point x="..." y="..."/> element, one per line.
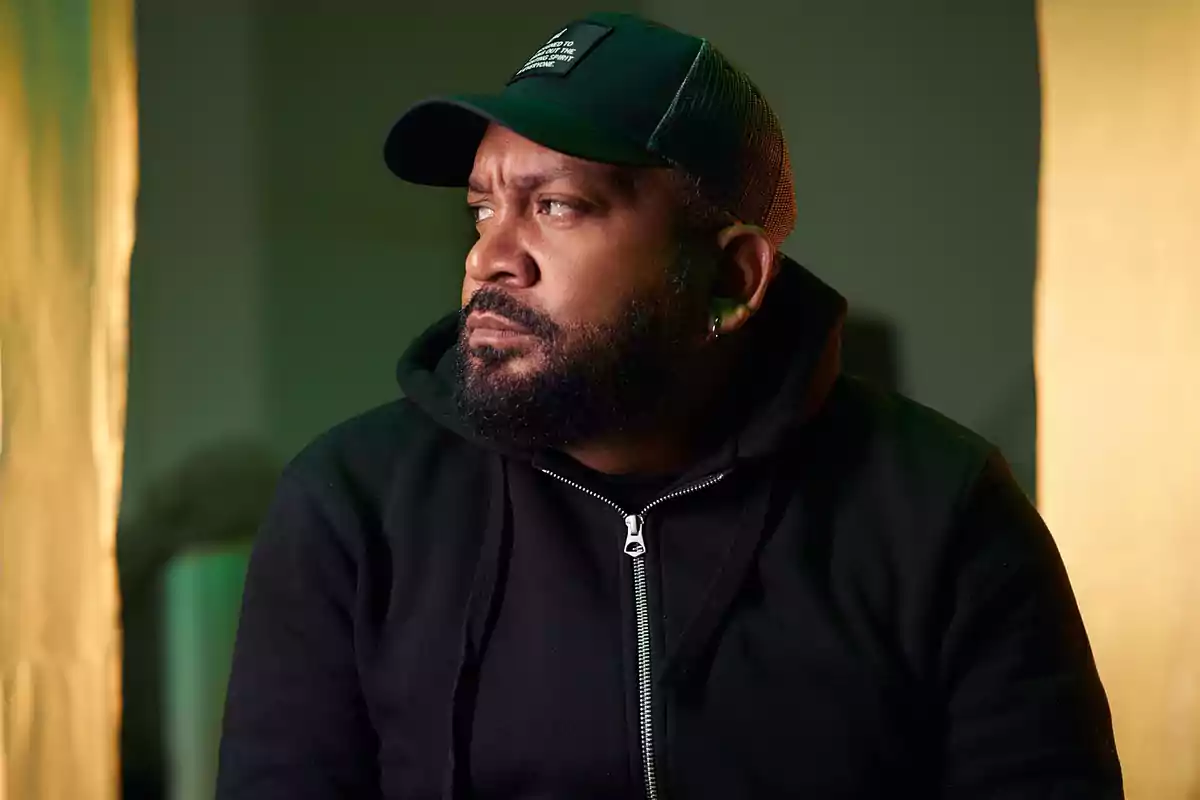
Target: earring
<point x="715" y="330"/>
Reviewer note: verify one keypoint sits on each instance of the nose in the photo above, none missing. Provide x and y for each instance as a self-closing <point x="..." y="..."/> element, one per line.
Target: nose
<point x="500" y="258"/>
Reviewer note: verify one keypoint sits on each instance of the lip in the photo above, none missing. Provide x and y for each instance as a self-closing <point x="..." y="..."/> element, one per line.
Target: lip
<point x="485" y="328"/>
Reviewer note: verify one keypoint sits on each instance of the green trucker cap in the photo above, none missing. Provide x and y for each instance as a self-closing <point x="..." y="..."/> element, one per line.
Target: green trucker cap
<point x="619" y="89"/>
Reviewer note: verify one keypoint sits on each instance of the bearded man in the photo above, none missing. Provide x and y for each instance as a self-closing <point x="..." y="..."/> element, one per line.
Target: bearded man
<point x="631" y="532"/>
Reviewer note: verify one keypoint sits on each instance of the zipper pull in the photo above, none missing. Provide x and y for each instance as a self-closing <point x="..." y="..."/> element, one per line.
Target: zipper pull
<point x="635" y="545"/>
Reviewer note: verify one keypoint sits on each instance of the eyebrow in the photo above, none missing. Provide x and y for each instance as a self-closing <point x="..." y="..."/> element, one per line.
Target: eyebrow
<point x="527" y="183"/>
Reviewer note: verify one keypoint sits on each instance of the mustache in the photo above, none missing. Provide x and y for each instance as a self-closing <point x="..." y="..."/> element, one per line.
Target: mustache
<point x="496" y="301"/>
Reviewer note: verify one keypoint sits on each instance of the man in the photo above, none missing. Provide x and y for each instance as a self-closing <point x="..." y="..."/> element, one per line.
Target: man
<point x="631" y="533"/>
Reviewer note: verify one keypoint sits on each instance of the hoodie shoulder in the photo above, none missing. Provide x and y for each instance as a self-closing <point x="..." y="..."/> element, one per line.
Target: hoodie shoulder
<point x="907" y="448"/>
<point x="366" y="454"/>
<point x="914" y="425"/>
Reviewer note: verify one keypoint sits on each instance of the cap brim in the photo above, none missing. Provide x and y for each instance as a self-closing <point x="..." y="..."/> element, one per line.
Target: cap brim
<point x="434" y="142"/>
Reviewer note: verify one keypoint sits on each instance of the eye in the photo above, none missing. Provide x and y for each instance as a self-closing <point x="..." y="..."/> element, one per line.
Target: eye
<point x="479" y="213"/>
<point x="556" y="208"/>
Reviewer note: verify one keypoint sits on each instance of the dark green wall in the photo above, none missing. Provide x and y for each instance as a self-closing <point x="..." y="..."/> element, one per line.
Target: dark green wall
<point x="197" y="354"/>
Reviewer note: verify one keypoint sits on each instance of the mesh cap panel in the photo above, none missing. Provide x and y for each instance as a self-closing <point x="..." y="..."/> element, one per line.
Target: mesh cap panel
<point x="720" y="130"/>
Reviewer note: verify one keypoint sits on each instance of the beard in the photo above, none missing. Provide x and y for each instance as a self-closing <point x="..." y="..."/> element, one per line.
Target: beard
<point x="588" y="381"/>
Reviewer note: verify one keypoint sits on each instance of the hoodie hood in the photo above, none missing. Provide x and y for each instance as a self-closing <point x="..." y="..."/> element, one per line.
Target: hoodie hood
<point x="794" y="356"/>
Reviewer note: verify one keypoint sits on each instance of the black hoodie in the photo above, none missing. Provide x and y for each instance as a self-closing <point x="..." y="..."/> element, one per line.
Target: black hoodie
<point x="850" y="598"/>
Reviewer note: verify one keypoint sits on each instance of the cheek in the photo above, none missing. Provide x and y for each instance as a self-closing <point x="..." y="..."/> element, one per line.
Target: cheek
<point x="596" y="280"/>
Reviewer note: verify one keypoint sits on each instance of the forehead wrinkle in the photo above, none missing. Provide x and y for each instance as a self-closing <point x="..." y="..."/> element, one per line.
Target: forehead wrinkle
<point x="523" y="182"/>
<point x="624" y="181"/>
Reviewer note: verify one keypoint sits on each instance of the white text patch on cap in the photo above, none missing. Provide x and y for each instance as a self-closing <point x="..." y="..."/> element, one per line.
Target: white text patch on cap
<point x="563" y="50"/>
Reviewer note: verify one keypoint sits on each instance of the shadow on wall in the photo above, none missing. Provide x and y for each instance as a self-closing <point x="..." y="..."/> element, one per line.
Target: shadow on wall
<point x="870" y="351"/>
<point x="1011" y="422"/>
<point x="214" y="500"/>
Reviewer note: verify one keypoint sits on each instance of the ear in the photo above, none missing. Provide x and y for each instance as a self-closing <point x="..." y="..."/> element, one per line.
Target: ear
<point x="747" y="268"/>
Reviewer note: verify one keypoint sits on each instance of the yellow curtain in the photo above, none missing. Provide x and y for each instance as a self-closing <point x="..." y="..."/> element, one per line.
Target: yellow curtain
<point x="67" y="184"/>
<point x="1118" y="360"/>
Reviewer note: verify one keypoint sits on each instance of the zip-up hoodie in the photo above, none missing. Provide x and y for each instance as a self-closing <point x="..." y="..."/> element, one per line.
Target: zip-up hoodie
<point x="850" y="598"/>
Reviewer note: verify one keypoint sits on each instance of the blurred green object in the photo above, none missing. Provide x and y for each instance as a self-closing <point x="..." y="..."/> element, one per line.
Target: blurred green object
<point x="202" y="592"/>
<point x="182" y="554"/>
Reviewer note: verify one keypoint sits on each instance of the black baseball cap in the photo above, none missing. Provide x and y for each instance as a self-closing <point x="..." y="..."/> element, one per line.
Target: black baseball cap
<point x="619" y="89"/>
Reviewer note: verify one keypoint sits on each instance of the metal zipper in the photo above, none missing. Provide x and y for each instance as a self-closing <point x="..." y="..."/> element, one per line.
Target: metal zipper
<point x="635" y="548"/>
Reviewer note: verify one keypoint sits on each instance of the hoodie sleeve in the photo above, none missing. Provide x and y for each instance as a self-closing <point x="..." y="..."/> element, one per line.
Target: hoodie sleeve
<point x="1027" y="716"/>
<point x="296" y="724"/>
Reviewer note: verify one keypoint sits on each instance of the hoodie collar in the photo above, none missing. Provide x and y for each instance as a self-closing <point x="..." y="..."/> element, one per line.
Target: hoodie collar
<point x="795" y="357"/>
